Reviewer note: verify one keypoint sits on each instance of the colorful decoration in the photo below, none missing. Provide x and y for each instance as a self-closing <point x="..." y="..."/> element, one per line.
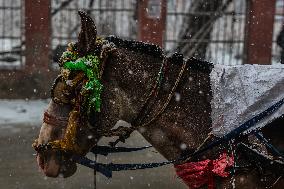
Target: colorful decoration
<point x="68" y="143"/>
<point x="197" y="174"/>
<point x="90" y="66"/>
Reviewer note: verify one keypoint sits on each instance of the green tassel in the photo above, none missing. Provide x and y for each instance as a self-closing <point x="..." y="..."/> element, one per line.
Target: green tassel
<point x="90" y="65"/>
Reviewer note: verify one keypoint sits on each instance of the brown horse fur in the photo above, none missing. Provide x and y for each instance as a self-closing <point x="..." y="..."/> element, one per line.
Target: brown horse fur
<point x="129" y="75"/>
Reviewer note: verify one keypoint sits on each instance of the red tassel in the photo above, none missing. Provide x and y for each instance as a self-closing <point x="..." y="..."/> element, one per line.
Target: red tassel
<point x="197" y="174"/>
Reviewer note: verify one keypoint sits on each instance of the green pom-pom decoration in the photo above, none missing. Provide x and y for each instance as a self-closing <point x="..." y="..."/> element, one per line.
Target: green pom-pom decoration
<point x="90" y="65"/>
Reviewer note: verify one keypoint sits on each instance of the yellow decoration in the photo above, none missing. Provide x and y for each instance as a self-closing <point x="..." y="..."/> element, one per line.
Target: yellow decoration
<point x="68" y="143"/>
<point x="65" y="73"/>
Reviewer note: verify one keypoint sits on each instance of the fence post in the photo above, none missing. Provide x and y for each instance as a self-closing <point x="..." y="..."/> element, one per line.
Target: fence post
<point x="36" y="74"/>
<point x="259" y="31"/>
<point x="37" y="35"/>
<point x="38" y="45"/>
<point x="33" y="80"/>
<point x="152" y="20"/>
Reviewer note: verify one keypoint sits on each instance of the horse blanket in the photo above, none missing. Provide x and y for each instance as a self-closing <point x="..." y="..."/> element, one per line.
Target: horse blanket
<point x="241" y="92"/>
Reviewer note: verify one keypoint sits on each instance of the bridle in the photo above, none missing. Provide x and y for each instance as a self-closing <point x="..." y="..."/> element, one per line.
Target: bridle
<point x="106" y="49"/>
<point x="53" y="121"/>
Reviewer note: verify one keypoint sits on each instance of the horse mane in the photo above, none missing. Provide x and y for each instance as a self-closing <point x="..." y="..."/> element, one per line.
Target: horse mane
<point x="200" y="65"/>
<point x="137" y="46"/>
<point x="155" y="50"/>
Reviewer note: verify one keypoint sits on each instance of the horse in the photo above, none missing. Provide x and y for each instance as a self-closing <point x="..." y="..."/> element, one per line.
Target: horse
<point x="166" y="98"/>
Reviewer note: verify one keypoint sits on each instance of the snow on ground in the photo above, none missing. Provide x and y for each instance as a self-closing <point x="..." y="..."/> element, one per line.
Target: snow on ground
<point x="22" y="111"/>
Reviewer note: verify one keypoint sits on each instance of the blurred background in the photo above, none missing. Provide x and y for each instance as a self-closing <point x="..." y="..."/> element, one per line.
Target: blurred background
<point x="34" y="33"/>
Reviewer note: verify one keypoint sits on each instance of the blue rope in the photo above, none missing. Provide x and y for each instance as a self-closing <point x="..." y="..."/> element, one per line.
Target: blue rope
<point x="107" y="169"/>
<point x="105" y="150"/>
<point x="135" y="166"/>
<point x="99" y="167"/>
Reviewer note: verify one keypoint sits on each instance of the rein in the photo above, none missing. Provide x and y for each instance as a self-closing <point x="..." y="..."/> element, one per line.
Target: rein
<point x="54" y="121"/>
<point x="107" y="169"/>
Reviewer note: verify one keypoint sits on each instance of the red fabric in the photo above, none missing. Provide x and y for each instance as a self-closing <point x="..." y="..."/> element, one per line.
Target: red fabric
<point x="197" y="174"/>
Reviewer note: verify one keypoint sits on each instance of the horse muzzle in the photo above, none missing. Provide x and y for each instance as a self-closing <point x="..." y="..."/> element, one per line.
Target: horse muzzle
<point x="55" y="164"/>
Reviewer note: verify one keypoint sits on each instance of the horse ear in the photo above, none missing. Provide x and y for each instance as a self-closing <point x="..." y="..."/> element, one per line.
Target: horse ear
<point x="88" y="34"/>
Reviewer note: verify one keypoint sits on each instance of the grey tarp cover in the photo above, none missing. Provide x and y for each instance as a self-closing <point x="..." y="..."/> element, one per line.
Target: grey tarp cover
<point x="241" y="92"/>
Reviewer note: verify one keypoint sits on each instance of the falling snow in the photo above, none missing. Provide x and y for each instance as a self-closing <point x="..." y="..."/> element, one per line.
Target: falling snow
<point x="20" y="119"/>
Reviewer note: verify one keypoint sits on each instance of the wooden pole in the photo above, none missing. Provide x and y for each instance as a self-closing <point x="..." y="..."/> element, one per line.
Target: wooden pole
<point x="152" y="21"/>
<point x="259" y="31"/>
<point x="37" y="34"/>
<point x="33" y="79"/>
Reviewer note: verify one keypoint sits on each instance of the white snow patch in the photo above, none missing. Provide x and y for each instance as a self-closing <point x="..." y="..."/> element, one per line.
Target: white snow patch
<point x="22" y="111"/>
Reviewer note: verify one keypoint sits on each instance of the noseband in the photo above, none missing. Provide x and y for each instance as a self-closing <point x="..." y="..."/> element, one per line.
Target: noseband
<point x="54" y="121"/>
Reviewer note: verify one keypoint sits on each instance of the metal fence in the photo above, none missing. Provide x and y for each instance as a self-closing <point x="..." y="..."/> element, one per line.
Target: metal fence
<point x="118" y="17"/>
<point x="278" y="25"/>
<point x="11" y="34"/>
<point x="224" y="45"/>
<point x="224" y="42"/>
<point x="112" y="17"/>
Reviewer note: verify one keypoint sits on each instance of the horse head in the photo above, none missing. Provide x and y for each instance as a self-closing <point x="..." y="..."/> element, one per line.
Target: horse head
<point x="54" y="149"/>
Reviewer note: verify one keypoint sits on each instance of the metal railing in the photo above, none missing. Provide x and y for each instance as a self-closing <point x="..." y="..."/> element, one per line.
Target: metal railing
<point x="225" y="41"/>
<point x="278" y="25"/>
<point x="112" y="17"/>
<point x="11" y="34"/>
<point x="119" y="17"/>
